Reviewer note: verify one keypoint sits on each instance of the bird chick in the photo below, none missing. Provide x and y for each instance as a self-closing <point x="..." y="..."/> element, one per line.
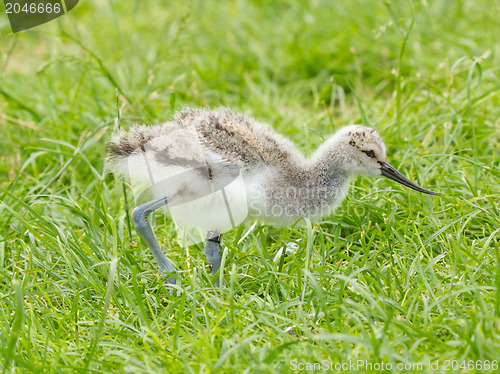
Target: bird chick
<point x="214" y="169"/>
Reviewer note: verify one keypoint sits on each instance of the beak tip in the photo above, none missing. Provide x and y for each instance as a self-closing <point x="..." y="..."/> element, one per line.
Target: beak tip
<point x="390" y="172"/>
<point x="435" y="193"/>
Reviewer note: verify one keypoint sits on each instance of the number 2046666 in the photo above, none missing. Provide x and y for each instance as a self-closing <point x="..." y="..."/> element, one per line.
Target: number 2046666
<point x="470" y="365"/>
<point x="32" y="8"/>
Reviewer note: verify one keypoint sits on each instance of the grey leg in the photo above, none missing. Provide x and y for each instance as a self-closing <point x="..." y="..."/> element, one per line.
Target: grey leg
<point x="140" y="217"/>
<point x="212" y="252"/>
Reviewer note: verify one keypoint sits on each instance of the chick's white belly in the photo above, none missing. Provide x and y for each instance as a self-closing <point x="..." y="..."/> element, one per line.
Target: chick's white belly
<point x="195" y="201"/>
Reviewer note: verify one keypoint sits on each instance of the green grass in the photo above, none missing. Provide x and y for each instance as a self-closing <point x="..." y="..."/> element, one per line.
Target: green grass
<point x="393" y="276"/>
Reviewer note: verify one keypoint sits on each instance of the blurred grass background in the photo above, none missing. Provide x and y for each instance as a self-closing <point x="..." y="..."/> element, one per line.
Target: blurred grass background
<point x="394" y="276"/>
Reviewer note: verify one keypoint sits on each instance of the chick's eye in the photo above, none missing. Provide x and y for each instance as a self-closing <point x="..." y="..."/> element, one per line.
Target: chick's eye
<point x="369" y="153"/>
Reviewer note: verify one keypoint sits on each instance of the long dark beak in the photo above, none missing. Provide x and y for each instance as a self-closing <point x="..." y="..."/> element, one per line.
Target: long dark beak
<point x="391" y="173"/>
